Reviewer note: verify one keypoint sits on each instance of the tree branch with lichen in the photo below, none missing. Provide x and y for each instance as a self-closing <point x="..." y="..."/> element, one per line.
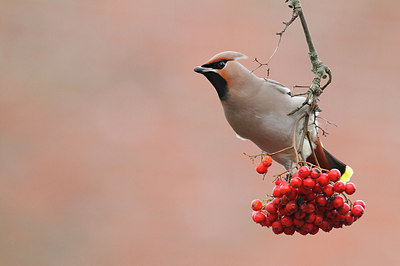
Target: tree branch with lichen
<point x="320" y="70"/>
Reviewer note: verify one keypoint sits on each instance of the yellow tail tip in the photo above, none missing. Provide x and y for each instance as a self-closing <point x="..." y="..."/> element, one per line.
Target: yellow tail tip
<point x="346" y="175"/>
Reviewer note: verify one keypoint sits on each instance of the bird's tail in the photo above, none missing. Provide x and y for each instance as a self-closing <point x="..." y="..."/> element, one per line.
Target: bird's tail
<point x="328" y="161"/>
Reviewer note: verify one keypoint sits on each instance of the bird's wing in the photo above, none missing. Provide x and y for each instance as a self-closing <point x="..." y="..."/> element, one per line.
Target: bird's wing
<point x="278" y="86"/>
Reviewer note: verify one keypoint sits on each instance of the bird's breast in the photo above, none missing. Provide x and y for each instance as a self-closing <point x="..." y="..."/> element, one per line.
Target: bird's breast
<point x="268" y="131"/>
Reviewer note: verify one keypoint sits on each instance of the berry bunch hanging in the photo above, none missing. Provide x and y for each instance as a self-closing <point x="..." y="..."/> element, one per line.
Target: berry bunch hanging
<point x="307" y="200"/>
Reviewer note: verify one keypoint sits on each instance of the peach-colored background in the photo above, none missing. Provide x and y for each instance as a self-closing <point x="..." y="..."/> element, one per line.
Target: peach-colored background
<point x="114" y="152"/>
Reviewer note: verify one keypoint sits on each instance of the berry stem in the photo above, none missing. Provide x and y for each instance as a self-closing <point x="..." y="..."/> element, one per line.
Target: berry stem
<point x="313" y="152"/>
<point x="347" y="199"/>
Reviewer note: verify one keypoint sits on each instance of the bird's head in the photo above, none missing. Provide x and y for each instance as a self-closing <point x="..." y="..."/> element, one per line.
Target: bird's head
<point x="222" y="70"/>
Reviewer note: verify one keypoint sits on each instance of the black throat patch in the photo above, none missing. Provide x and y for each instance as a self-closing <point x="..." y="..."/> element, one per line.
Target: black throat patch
<point x="219" y="83"/>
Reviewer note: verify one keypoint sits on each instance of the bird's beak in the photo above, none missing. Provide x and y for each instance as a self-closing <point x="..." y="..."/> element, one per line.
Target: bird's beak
<point x="202" y="70"/>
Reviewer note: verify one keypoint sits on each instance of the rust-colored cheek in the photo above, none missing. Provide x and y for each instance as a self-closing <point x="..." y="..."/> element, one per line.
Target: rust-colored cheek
<point x="223" y="74"/>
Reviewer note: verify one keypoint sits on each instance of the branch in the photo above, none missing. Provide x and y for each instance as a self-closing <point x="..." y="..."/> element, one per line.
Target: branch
<point x="320" y="70"/>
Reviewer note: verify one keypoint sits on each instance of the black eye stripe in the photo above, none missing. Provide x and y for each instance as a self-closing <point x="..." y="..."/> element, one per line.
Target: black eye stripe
<point x="216" y="65"/>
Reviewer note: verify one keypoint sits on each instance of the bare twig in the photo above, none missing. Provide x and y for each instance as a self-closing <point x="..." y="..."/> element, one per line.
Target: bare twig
<point x="300" y="94"/>
<point x="287" y="24"/>
<point x="327" y="122"/>
<point x="253" y="157"/>
<point x="325" y="130"/>
<point x="300" y="86"/>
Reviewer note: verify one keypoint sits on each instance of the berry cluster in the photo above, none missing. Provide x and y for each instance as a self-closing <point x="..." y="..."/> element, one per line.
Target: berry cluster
<point x="262" y="168"/>
<point x="307" y="201"/>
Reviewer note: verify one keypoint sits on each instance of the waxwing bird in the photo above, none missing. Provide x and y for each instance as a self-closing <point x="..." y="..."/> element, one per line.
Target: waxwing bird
<point x="258" y="109"/>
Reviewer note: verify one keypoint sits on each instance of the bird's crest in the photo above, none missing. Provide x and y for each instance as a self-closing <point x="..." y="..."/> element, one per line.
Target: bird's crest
<point x="227" y="55"/>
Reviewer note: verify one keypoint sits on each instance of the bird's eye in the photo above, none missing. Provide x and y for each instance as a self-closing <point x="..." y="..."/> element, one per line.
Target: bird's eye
<point x="216" y="65"/>
<point x="221" y="64"/>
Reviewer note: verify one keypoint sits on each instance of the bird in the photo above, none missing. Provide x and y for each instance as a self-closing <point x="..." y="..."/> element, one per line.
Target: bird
<point x="258" y="110"/>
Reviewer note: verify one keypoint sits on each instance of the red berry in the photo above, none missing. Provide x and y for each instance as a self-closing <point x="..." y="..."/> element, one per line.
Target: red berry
<point x="315" y="173"/>
<point x="276" y="202"/>
<point x="318" y="219"/>
<point x="296" y="174"/>
<point x="311" y="196"/>
<point x="325" y="226"/>
<point x="317" y="188"/>
<point x="299" y="215"/>
<point x="277" y="192"/>
<point x="289" y="230"/>
<point x="323" y="180"/>
<point x="303" y="207"/>
<point x="348" y="219"/>
<point x="314" y="230"/>
<point x="345" y="209"/>
<point x="256" y="205"/>
<point x="357" y="211"/>
<point x="340" y="218"/>
<point x="258" y="217"/>
<point x="310" y="208"/>
<point x="282" y="211"/>
<point x="272" y="217"/>
<point x="267" y="161"/>
<point x="291" y="207"/>
<point x="298" y="222"/>
<point x="293" y="194"/>
<point x="270" y="208"/>
<point x="284" y="200"/>
<point x="285" y="188"/>
<point x="337" y="224"/>
<point x="328" y="190"/>
<point x="278" y="182"/>
<point x="331" y="214"/>
<point x="359" y="202"/>
<point x="286" y="221"/>
<point x="329" y="206"/>
<point x="302" y="231"/>
<point x="277" y="227"/>
<point x="310" y="218"/>
<point x="338" y="202"/>
<point x="266" y="223"/>
<point x="308" y="183"/>
<point x="304" y="171"/>
<point x="350" y="188"/>
<point x="334" y="175"/>
<point x="304" y="191"/>
<point x="262" y="168"/>
<point x="308" y="227"/>
<point x="295" y="182"/>
<point x="321" y="201"/>
<point x="339" y="187"/>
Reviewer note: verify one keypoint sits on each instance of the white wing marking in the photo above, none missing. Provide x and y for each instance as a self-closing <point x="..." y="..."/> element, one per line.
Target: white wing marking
<point x="239" y="137"/>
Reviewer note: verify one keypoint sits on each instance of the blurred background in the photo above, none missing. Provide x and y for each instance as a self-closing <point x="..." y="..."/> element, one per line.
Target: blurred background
<point x="114" y="152"/>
